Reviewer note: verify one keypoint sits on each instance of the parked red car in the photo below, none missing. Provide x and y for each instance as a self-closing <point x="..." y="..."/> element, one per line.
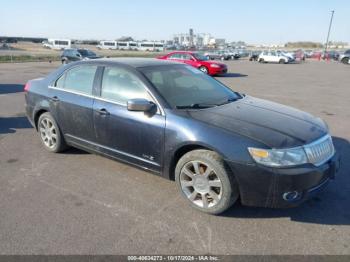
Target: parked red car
<point x="198" y="61"/>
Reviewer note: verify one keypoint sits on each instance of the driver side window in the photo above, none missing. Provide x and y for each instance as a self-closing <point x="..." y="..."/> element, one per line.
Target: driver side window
<point x="120" y="85"/>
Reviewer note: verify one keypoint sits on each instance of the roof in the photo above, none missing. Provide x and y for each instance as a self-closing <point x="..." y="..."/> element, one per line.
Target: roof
<point x="136" y="62"/>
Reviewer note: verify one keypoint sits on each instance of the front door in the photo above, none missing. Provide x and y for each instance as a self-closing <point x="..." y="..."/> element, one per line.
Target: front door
<point x="135" y="137"/>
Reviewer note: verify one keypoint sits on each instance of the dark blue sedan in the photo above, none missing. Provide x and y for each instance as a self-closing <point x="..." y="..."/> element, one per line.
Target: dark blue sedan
<point x="175" y="121"/>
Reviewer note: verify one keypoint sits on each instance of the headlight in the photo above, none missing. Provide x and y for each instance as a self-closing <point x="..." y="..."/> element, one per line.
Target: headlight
<point x="279" y="157"/>
<point x="215" y="65"/>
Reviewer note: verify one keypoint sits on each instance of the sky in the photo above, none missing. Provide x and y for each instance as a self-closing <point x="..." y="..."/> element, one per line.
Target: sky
<point x="252" y="21"/>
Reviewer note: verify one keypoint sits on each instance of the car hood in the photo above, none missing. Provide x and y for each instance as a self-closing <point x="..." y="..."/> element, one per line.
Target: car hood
<point x="272" y="124"/>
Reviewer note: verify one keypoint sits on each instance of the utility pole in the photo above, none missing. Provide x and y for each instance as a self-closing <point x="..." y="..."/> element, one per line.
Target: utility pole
<point x="329" y="31"/>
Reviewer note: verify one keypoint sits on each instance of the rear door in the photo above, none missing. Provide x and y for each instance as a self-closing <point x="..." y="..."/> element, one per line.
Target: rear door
<point x="71" y="100"/>
<point x="135" y="137"/>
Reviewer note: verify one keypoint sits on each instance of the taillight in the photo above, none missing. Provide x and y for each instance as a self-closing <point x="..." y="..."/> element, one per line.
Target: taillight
<point x="26" y="87"/>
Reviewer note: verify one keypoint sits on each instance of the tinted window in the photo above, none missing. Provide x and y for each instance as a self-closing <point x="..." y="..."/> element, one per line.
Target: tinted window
<point x="175" y="56"/>
<point x="186" y="57"/>
<point x="85" y="52"/>
<point x="79" y="79"/>
<point x="200" y="57"/>
<point x="185" y="85"/>
<point x="60" y="82"/>
<point x="120" y="85"/>
<point x="109" y="43"/>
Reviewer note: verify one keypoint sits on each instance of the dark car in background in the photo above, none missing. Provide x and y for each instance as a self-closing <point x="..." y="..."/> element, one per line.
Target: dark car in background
<point x="254" y="55"/>
<point x="171" y="119"/>
<point x="331" y="54"/>
<point x="73" y="54"/>
<point x="221" y="55"/>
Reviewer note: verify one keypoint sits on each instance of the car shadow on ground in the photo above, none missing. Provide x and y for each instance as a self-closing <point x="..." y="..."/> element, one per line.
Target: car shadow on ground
<point x="9" y="125"/>
<point x="10" y="88"/>
<point x="330" y="207"/>
<point x="233" y="75"/>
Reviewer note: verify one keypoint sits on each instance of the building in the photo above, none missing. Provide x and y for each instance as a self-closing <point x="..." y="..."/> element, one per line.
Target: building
<point x="198" y="40"/>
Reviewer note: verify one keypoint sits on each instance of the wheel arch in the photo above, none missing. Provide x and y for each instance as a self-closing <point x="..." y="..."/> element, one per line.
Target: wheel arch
<point x="37" y="115"/>
<point x="181" y="151"/>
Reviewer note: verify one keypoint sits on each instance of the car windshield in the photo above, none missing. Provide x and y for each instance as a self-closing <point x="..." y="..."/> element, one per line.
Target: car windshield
<point x="84" y="52"/>
<point x="187" y="87"/>
<point x="200" y="57"/>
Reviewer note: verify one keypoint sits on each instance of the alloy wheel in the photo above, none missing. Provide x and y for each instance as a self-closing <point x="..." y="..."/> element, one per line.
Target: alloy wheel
<point x="200" y="184"/>
<point x="48" y="133"/>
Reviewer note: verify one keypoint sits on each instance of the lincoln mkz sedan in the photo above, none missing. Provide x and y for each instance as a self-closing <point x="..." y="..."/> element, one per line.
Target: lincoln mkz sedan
<point x="173" y="120"/>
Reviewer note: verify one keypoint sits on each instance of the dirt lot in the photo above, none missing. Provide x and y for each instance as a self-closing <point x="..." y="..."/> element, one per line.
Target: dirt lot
<point x="79" y="203"/>
<point x="37" y="50"/>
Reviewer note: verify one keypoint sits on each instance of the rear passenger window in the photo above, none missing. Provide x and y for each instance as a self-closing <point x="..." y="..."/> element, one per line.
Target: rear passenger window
<point x="120" y="85"/>
<point x="78" y="79"/>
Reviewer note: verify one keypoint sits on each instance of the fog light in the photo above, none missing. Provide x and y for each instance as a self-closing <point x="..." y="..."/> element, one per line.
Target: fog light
<point x="292" y="196"/>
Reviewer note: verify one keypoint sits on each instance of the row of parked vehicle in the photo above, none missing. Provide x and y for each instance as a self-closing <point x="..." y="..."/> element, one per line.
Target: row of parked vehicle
<point x="277" y="56"/>
<point x="223" y="55"/>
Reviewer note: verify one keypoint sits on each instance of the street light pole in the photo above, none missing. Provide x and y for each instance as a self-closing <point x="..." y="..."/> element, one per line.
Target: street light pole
<point x="329" y="31"/>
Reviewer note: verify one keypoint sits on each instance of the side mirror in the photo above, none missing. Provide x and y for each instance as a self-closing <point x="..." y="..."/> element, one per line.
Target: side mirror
<point x="140" y="104"/>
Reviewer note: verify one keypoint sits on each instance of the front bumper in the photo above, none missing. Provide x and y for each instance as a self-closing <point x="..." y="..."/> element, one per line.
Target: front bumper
<point x="218" y="71"/>
<point x="282" y="187"/>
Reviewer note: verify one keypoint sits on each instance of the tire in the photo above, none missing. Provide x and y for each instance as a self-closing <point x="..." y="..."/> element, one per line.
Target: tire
<point x="204" y="69"/>
<point x="50" y="134"/>
<point x="261" y="60"/>
<point x="64" y="61"/>
<point x="282" y="61"/>
<point x="345" y="60"/>
<point x="215" y="189"/>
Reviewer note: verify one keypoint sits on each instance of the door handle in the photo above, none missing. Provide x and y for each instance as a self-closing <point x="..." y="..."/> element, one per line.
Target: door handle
<point x="103" y="112"/>
<point x="55" y="99"/>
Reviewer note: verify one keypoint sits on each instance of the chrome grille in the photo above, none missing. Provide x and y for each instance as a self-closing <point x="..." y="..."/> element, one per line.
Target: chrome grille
<point x="320" y="151"/>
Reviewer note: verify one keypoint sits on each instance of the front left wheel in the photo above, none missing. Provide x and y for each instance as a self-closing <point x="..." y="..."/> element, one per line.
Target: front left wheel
<point x="282" y="61"/>
<point x="206" y="181"/>
<point x="204" y="69"/>
<point x="50" y="134"/>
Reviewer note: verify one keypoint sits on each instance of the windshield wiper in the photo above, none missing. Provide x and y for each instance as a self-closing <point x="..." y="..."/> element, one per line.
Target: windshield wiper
<point x="229" y="100"/>
<point x="206" y="105"/>
<point x="196" y="106"/>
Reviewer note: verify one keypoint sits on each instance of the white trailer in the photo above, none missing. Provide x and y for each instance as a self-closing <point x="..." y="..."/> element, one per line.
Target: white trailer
<point x="57" y="44"/>
<point x="122" y="45"/>
<point x="151" y="46"/>
<point x="107" y="44"/>
<point x="133" y="45"/>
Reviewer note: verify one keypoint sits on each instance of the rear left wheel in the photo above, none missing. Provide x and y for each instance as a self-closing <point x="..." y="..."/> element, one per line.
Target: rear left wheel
<point x="345" y="60"/>
<point x="50" y="134"/>
<point x="206" y="182"/>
